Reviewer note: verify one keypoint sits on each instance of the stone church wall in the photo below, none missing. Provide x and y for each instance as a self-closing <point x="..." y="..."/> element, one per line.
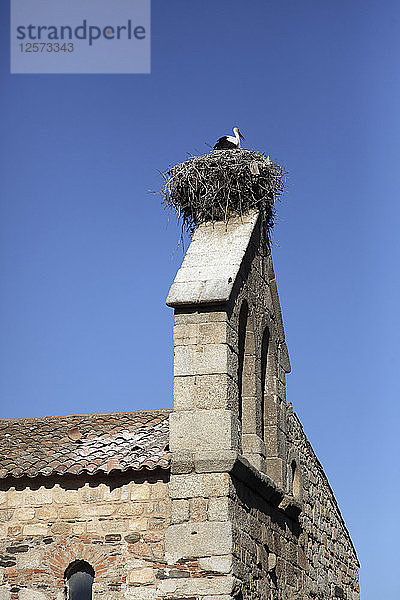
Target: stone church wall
<point x="114" y="523"/>
<point x="280" y="535"/>
<point x="332" y="564"/>
<point x="245" y="512"/>
<point x="278" y="557"/>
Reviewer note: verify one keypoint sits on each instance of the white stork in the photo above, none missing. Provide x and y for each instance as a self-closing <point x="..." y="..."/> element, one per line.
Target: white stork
<point x="228" y="142"/>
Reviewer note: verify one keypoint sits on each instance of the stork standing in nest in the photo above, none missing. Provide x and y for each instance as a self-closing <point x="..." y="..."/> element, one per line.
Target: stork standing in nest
<point x="228" y="142"/>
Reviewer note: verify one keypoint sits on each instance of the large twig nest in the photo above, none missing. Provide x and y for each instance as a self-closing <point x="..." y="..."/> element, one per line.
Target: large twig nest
<point x="221" y="184"/>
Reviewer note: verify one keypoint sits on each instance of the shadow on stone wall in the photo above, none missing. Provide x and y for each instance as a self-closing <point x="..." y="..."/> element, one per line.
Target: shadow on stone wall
<point x="75" y="482"/>
<point x="263" y="511"/>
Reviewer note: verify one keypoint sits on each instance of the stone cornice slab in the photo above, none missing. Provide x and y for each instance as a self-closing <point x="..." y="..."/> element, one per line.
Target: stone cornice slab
<point x="238" y="467"/>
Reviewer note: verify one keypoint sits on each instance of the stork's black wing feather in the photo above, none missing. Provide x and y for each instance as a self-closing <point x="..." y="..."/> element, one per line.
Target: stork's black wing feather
<point x="224" y="144"/>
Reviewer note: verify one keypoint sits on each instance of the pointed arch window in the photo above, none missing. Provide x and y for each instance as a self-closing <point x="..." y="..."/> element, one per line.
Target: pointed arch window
<point x="79" y="577"/>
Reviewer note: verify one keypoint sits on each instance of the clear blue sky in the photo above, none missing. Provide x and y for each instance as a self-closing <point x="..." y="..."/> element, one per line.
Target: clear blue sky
<point x="87" y="258"/>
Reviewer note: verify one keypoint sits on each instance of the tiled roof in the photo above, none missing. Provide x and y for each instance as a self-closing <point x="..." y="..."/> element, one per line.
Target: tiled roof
<point x="97" y="443"/>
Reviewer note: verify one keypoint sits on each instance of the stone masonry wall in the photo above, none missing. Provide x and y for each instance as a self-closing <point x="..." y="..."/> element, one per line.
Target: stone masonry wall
<point x="198" y="543"/>
<point x="268" y="553"/>
<point x="332" y="565"/>
<point x="114" y="523"/>
<point x="276" y="557"/>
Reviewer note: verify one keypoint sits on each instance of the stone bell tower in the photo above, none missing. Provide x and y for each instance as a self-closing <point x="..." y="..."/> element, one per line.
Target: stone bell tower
<point x="229" y="394"/>
<point x="252" y="513"/>
<point x="230" y="351"/>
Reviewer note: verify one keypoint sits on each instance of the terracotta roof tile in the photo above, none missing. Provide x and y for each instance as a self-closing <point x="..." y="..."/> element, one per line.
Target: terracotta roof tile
<point x="97" y="443"/>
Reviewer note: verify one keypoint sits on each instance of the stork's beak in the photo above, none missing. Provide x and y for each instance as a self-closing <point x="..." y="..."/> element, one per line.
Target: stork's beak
<point x="240" y="135"/>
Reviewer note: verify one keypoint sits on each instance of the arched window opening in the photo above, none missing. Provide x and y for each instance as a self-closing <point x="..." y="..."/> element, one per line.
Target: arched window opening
<point x="79" y="576"/>
<point x="264" y="378"/>
<point x="295" y="479"/>
<point x="244" y="311"/>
